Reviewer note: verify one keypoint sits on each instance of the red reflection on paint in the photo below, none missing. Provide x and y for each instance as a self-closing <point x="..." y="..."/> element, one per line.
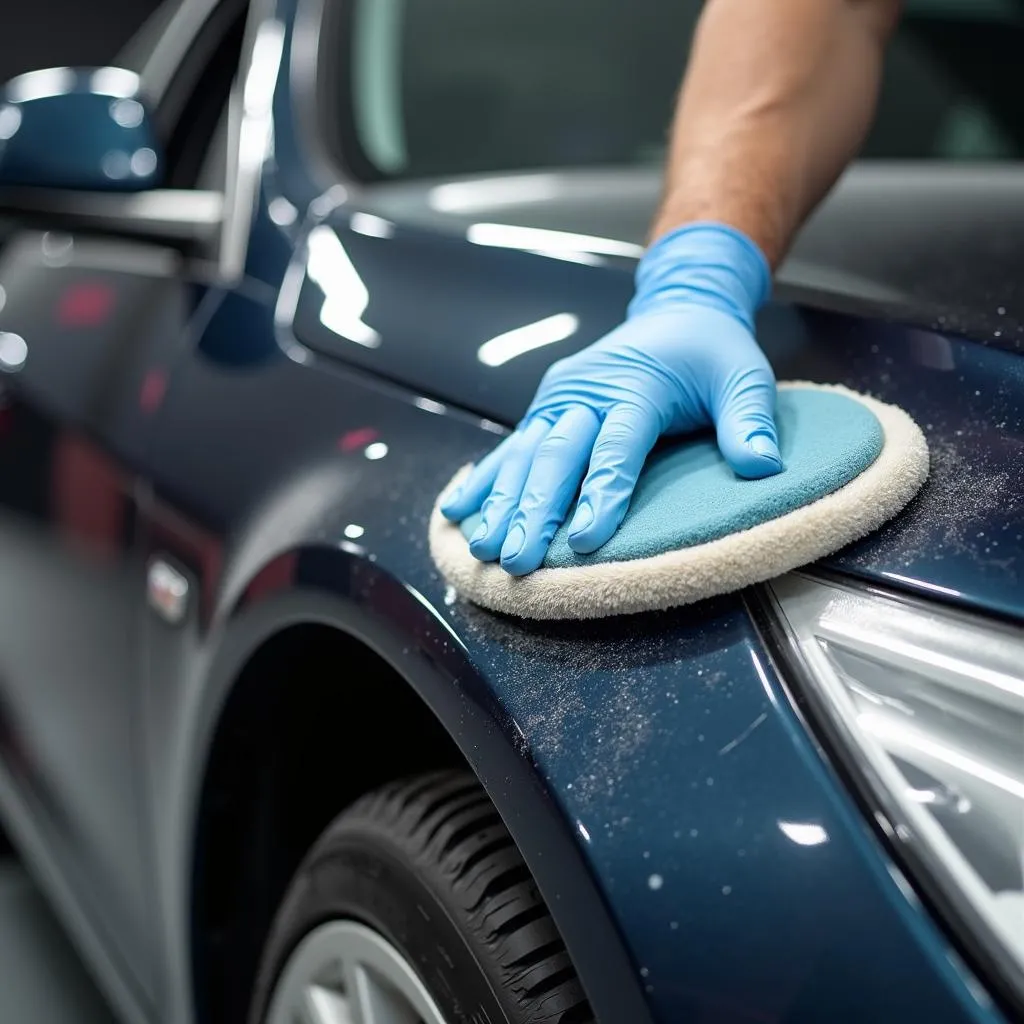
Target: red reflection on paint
<point x="85" y="305"/>
<point x="89" y="497"/>
<point x="151" y="394"/>
<point x="356" y="439"/>
<point x="276" y="575"/>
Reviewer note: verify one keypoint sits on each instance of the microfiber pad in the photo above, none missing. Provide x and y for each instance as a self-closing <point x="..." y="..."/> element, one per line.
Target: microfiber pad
<point x="694" y="529"/>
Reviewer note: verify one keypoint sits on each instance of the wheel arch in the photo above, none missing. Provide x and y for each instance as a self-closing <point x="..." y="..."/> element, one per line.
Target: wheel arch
<point x="313" y="601"/>
<point x="302" y="735"/>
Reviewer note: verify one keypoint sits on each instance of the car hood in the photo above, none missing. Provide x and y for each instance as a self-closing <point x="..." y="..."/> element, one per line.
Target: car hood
<point x="938" y="244"/>
<point x="609" y="210"/>
<point x="472" y="319"/>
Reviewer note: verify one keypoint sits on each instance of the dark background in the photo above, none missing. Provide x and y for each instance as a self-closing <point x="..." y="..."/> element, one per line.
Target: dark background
<point x="50" y="33"/>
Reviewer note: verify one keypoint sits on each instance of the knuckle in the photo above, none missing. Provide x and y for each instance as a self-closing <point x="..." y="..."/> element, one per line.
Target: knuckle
<point x="521" y="518"/>
<point x="611" y="473"/>
<point x="494" y="505"/>
<point x="605" y="483"/>
<point x="554" y="445"/>
<point x="756" y="377"/>
<point x="617" y="434"/>
<point x="535" y="497"/>
<point x="614" y="445"/>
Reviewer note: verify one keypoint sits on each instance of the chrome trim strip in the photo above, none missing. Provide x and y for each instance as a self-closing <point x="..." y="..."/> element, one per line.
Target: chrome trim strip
<point x="185" y="214"/>
<point x="250" y="124"/>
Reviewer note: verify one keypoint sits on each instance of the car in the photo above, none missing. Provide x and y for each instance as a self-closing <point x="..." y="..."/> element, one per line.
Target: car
<point x="267" y="282"/>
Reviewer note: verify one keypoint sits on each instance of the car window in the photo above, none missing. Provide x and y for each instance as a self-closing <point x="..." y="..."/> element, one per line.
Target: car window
<point x="437" y="87"/>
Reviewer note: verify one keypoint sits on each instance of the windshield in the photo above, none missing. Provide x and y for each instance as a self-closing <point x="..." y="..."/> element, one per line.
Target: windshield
<point x="444" y="87"/>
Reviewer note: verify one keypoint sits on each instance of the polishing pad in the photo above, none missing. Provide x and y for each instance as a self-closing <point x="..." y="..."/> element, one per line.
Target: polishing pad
<point x="694" y="529"/>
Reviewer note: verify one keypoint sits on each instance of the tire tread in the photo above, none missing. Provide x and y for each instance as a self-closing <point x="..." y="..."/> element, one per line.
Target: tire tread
<point x="448" y="825"/>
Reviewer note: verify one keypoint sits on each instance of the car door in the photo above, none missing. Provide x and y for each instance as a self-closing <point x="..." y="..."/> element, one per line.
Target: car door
<point x="84" y="327"/>
<point x="96" y="298"/>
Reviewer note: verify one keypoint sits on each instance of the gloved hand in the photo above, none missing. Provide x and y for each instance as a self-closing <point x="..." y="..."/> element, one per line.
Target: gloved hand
<point x="685" y="358"/>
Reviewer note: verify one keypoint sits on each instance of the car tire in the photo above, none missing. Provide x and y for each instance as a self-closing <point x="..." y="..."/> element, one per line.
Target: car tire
<point x="423" y="871"/>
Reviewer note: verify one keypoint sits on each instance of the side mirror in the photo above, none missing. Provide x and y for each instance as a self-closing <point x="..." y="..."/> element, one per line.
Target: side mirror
<point x="78" y="128"/>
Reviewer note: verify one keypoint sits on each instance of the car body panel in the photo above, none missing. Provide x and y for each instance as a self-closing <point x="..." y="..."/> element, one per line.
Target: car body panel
<point x="642" y="732"/>
<point x="646" y="767"/>
<point x="238" y="524"/>
<point x="74" y="433"/>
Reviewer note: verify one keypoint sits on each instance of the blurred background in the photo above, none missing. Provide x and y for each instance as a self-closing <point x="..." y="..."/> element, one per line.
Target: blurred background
<point x="48" y="33"/>
<point x="41" y="978"/>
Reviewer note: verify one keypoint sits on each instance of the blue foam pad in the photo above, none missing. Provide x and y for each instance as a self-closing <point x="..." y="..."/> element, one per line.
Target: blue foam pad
<point x="688" y="495"/>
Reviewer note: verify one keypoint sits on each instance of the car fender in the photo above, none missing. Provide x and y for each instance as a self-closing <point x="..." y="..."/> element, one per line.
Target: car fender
<point x="317" y="584"/>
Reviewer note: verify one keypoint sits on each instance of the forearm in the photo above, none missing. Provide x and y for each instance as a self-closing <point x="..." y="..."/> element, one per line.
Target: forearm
<point x="778" y="97"/>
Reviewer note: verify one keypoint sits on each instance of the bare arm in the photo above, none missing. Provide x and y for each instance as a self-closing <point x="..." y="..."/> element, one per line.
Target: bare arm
<point x="777" y="99"/>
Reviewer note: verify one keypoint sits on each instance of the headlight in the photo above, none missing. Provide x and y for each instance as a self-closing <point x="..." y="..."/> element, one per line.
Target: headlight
<point x="926" y="709"/>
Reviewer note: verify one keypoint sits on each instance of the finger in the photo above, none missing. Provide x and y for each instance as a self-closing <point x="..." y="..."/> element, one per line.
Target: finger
<point x="558" y="467"/>
<point x="627" y="436"/>
<point x="499" y="505"/>
<point x="465" y="499"/>
<point x="745" y="422"/>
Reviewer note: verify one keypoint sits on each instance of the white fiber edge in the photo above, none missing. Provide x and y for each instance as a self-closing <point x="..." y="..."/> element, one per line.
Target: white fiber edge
<point x="704" y="570"/>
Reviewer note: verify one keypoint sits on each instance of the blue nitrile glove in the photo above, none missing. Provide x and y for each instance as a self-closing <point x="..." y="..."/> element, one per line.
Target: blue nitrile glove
<point x="685" y="358"/>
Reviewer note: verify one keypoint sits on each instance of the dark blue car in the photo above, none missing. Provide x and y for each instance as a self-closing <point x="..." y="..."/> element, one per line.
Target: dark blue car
<point x="265" y="285"/>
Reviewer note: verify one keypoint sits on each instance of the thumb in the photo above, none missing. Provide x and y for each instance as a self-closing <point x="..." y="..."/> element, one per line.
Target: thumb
<point x="745" y="422"/>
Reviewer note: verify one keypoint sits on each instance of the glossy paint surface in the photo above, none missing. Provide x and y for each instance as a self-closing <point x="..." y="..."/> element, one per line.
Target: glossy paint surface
<point x="665" y="740"/>
<point x="612" y="715"/>
<point x="74" y="427"/>
<point x="931" y="243"/>
<point x="281" y="443"/>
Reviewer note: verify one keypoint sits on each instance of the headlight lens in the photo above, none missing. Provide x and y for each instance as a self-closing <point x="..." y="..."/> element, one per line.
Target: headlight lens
<point x="931" y="705"/>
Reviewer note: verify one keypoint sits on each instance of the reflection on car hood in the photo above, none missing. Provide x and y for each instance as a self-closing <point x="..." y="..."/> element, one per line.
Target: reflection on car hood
<point x="931" y="243"/>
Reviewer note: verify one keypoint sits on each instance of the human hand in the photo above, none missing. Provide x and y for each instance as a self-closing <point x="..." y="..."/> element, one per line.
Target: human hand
<point x="684" y="359"/>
